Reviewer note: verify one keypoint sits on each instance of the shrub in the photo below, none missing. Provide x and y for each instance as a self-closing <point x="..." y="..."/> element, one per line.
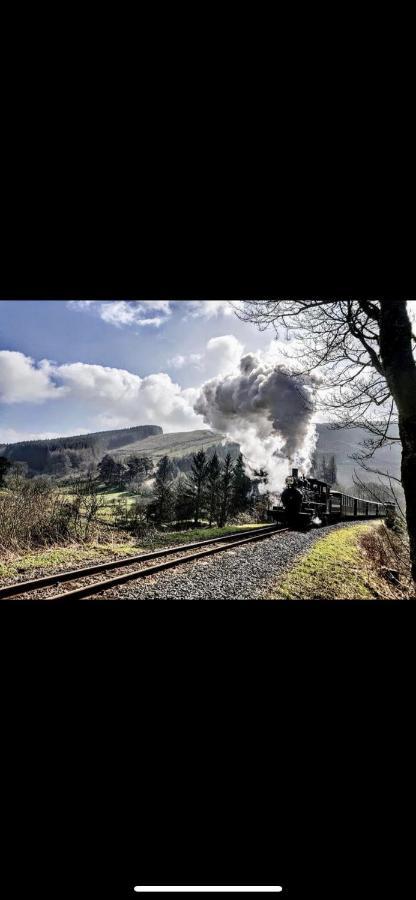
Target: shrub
<point x="34" y="514"/>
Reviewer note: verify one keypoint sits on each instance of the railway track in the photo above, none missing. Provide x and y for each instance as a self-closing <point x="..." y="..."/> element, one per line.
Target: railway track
<point x="126" y="569"/>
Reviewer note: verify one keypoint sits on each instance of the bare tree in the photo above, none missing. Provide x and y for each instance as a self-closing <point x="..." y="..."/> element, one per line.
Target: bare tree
<point x="365" y="347"/>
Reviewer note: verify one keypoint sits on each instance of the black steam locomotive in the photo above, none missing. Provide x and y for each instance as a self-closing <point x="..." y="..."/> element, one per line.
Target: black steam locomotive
<point x="308" y="501"/>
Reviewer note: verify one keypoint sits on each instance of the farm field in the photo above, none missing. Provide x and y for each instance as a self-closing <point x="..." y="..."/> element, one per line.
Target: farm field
<point x="108" y="497"/>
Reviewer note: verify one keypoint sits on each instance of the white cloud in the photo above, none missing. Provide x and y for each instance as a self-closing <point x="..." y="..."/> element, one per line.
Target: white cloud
<point x="179" y="361"/>
<point x="119" y="397"/>
<point x="176" y="362"/>
<point x="126" y="312"/>
<point x="134" y="312"/>
<point x="131" y="312"/>
<point x="155" y="322"/>
<point x="110" y="397"/>
<point x="80" y="305"/>
<point x="22" y="381"/>
<point x="224" y="353"/>
<point x="207" y="309"/>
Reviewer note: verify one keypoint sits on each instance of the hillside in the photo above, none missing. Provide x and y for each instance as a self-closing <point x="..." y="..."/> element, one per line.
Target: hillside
<point x="344" y="443"/>
<point x="176" y="444"/>
<point x="69" y="455"/>
<point x="65" y="455"/>
<point x="58" y="456"/>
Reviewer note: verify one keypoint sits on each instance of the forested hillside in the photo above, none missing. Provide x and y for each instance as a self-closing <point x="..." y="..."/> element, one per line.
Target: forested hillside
<point x="72" y="455"/>
<point x="61" y="456"/>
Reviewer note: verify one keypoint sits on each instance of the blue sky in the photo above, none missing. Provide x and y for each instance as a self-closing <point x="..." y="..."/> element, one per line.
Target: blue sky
<point x="71" y="367"/>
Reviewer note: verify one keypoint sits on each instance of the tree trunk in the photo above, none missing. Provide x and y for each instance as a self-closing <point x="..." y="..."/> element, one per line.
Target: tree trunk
<point x="407" y="429"/>
<point x="400" y="372"/>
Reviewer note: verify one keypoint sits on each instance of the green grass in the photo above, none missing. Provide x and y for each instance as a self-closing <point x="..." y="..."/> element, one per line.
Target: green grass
<point x="63" y="557"/>
<point x="334" y="568"/>
<point x="74" y="556"/>
<point x="165" y="539"/>
<point x="107" y="497"/>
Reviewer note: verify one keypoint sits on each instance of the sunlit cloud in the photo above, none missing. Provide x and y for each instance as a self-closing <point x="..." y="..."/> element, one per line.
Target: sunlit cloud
<point x="207" y="309"/>
<point x="121" y="313"/>
<point x="111" y="397"/>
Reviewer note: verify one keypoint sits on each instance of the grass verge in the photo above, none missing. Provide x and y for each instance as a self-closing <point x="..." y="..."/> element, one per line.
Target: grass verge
<point x="173" y="538"/>
<point x="56" y="558"/>
<point x="338" y="567"/>
<point x="75" y="555"/>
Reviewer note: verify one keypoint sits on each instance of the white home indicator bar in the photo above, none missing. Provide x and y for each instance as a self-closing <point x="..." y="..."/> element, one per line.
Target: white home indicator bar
<point x="207" y="889"/>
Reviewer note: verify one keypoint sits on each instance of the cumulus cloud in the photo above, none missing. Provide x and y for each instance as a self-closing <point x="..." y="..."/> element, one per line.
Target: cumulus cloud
<point x="267" y="410"/>
<point x="23" y="381"/>
<point x="224" y="353"/>
<point x="221" y="355"/>
<point x="252" y="399"/>
<point x="119" y="397"/>
<point x="109" y="396"/>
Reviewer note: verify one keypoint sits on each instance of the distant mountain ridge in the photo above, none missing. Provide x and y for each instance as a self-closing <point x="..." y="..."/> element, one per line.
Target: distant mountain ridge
<point x="60" y="455"/>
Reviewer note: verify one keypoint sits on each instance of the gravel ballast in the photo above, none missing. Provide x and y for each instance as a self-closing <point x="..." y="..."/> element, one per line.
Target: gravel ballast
<point x="237" y="574"/>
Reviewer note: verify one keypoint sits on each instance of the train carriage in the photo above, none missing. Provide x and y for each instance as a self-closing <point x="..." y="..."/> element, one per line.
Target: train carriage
<point x="309" y="501"/>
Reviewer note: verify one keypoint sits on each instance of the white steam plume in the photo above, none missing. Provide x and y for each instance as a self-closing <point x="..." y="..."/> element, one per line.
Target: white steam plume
<point x="268" y="410"/>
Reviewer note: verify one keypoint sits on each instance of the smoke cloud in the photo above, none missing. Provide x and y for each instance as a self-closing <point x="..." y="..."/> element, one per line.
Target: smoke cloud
<point x="268" y="410"/>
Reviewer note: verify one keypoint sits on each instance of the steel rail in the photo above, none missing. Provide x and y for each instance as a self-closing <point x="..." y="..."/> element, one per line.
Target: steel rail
<point x="100" y="586"/>
<point x="33" y="584"/>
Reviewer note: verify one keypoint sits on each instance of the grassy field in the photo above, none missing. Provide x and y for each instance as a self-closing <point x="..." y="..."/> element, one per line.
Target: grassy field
<point x="108" y="496"/>
<point x="335" y="568"/>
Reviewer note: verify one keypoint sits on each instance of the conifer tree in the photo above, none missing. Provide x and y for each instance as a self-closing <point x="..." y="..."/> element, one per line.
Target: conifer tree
<point x="162" y="506"/>
<point x="184" y="499"/>
<point x="4" y="466"/>
<point x="213" y="484"/>
<point x="225" y="490"/>
<point x="241" y="485"/>
<point x="199" y="473"/>
<point x="107" y="469"/>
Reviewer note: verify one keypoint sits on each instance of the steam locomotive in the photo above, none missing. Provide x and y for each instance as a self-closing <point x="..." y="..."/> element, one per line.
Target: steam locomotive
<point x="308" y="501"/>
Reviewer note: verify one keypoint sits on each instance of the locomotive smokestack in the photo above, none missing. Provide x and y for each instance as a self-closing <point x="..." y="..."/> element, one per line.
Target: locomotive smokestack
<point x="295" y="473"/>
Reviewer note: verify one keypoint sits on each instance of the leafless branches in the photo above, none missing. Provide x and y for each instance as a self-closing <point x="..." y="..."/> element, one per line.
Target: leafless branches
<point x="342" y="338"/>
